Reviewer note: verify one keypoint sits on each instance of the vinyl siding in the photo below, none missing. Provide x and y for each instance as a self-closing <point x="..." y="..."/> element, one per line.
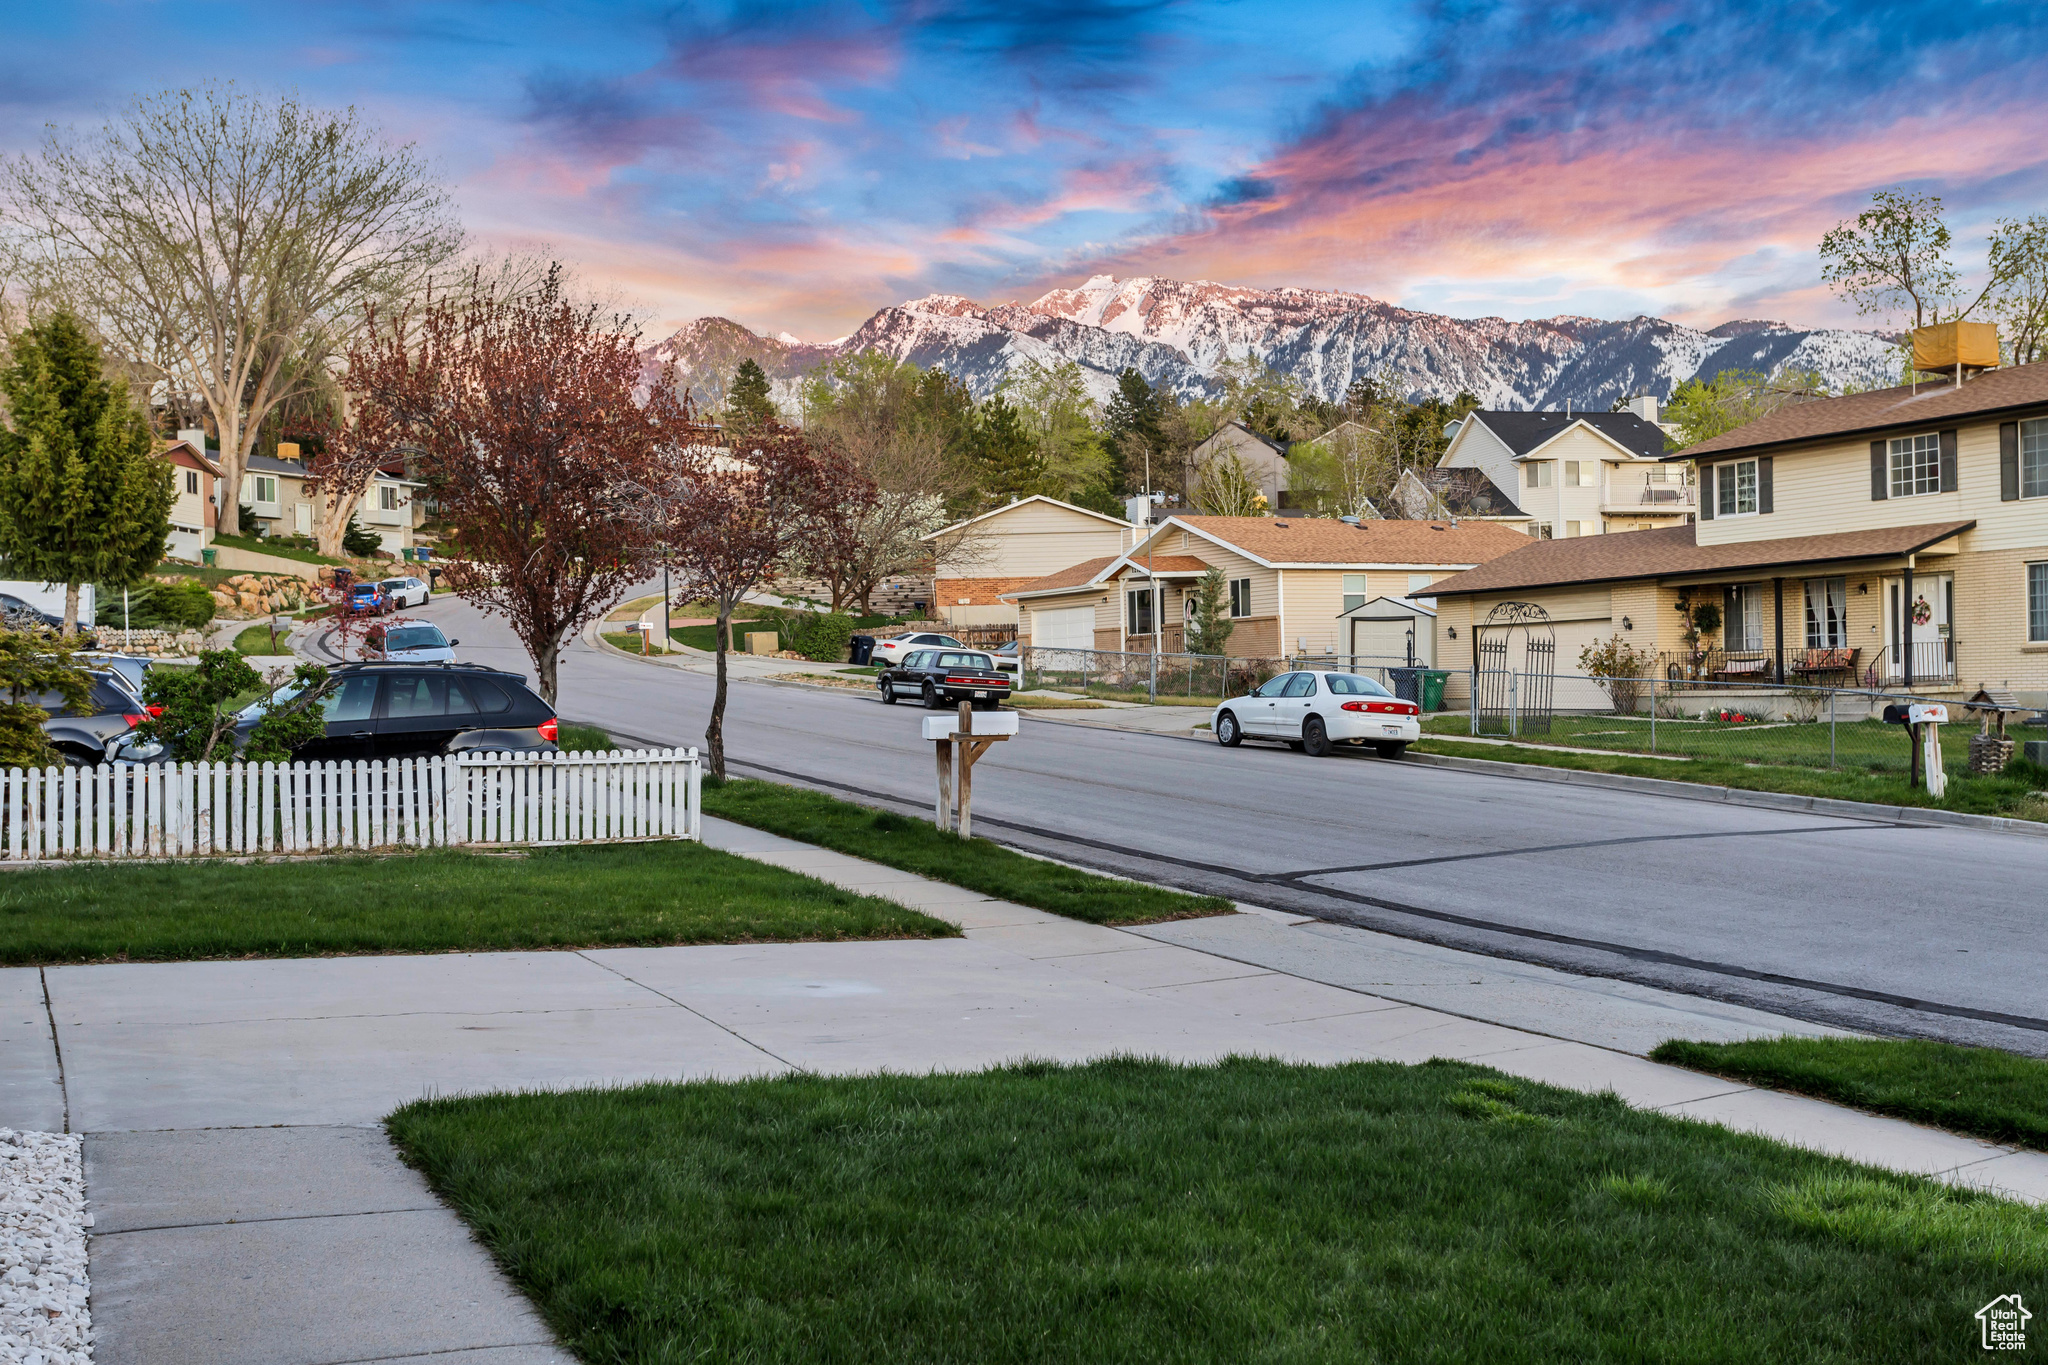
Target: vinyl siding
<point x="1031" y="540"/>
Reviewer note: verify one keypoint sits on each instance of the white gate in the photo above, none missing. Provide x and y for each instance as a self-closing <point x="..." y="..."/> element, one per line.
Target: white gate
<point x="183" y="810"/>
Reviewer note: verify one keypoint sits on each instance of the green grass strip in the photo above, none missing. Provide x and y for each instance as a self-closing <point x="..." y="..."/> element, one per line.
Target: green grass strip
<point x="1976" y="1090"/>
<point x="2014" y="792"/>
<point x="262" y="546"/>
<point x="919" y="846"/>
<point x="443" y="901"/>
<point x="257" y="639"/>
<point x="1138" y="1211"/>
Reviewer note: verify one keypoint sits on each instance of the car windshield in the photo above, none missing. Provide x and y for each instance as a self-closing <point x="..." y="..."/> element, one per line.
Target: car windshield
<point x="1351" y="685"/>
<point x="966" y="661"/>
<point x="391" y="583"/>
<point x="416" y="637"/>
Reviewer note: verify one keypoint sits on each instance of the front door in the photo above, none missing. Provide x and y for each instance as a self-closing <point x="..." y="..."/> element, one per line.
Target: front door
<point x="1921" y="625"/>
<point x="1255" y="712"/>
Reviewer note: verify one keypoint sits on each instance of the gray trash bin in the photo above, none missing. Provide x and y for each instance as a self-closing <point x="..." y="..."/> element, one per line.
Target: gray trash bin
<point x="1407" y="683"/>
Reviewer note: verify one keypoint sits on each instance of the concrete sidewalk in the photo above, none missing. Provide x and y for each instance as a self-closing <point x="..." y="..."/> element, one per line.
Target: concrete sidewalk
<point x="250" y="1210"/>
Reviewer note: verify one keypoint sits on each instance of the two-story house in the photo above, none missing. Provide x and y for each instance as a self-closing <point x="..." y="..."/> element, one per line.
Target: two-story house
<point x="195" y="497"/>
<point x="1577" y="474"/>
<point x="1897" y="538"/>
<point x="1265" y="459"/>
<point x="977" y="561"/>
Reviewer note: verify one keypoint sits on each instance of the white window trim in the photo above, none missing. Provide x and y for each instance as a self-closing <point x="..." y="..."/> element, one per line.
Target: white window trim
<point x="2027" y="598"/>
<point x="2041" y="424"/>
<point x="1756" y="489"/>
<point x="1234" y="612"/>
<point x="1891" y="465"/>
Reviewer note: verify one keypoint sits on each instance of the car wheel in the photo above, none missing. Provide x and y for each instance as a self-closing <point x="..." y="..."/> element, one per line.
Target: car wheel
<point x="1227" y="733"/>
<point x="1315" y="738"/>
<point x="931" y="698"/>
<point x="888" y="693"/>
<point x="1391" y="749"/>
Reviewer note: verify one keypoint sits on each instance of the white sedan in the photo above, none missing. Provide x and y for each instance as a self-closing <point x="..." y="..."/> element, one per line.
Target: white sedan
<point x="405" y="592"/>
<point x="890" y="652"/>
<point x="1315" y="712"/>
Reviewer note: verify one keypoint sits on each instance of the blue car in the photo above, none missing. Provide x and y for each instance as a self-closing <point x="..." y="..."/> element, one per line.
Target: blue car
<point x="368" y="598"/>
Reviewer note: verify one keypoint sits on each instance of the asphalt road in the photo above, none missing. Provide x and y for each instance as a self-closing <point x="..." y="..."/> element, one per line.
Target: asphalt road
<point x="1904" y="929"/>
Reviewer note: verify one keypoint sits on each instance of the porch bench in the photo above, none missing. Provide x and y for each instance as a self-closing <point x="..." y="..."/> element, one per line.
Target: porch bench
<point x="1840" y="660"/>
<point x="1743" y="668"/>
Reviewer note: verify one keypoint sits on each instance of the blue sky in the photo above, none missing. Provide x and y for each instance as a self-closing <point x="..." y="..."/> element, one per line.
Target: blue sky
<point x="796" y="166"/>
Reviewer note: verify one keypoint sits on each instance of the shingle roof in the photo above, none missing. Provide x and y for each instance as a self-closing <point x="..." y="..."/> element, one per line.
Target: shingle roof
<point x="1467" y="492"/>
<point x="1673" y="550"/>
<point x="1328" y="541"/>
<point x="1522" y="432"/>
<point x="1939" y="400"/>
<point x="270" y="464"/>
<point x="1073" y="576"/>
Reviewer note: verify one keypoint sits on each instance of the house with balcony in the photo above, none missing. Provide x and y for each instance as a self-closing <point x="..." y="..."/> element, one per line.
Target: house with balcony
<point x="1577" y="474"/>
<point x="1894" y="539"/>
<point x="1295" y="585"/>
<point x="393" y="507"/>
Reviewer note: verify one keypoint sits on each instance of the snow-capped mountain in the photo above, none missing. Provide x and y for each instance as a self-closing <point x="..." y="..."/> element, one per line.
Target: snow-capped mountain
<point x="1176" y="333"/>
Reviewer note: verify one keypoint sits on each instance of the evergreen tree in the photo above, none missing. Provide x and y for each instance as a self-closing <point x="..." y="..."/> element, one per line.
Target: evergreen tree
<point x="1210" y="631"/>
<point x="1135" y="423"/>
<point x="747" y="404"/>
<point x="1012" y="466"/>
<point x="83" y="498"/>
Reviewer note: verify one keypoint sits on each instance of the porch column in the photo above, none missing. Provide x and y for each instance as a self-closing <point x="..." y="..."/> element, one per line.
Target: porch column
<point x="1906" y="629"/>
<point x="1778" y="611"/>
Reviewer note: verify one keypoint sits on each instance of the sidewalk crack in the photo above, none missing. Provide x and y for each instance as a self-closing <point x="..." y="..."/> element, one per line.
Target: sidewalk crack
<point x="717" y="1024"/>
<point x="57" y="1047"/>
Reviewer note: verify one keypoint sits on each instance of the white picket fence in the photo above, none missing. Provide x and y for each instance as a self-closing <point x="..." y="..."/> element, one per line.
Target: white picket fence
<point x="186" y="810"/>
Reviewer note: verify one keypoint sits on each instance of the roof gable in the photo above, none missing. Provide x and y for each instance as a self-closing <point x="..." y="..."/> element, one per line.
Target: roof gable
<point x="1908" y="405"/>
<point x="1026" y="502"/>
<point x="1524" y="433"/>
<point x="1330" y="543"/>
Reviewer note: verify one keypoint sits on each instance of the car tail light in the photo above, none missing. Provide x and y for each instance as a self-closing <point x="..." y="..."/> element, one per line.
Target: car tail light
<point x="134" y="720"/>
<point x="974" y="682"/>
<point x="1385" y="708"/>
<point x="549" y="728"/>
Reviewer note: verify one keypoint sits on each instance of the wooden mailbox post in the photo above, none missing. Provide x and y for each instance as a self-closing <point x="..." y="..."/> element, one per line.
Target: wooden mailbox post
<point x="971" y="740"/>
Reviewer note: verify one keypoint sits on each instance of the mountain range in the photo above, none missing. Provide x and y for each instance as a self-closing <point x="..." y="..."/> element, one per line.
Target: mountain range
<point x="1176" y="333"/>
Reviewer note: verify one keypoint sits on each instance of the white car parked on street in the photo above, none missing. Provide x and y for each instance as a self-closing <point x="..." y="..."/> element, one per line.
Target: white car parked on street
<point x="405" y="592"/>
<point x="407" y="640"/>
<point x="890" y="652"/>
<point x="1316" y="712"/>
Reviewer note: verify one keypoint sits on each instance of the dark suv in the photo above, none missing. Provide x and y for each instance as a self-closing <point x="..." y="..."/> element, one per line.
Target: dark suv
<point x="86" y="736"/>
<point x="379" y="710"/>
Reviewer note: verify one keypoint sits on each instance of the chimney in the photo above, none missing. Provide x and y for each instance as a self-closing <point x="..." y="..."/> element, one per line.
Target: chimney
<point x="197" y="436"/>
<point x="1644" y="405"/>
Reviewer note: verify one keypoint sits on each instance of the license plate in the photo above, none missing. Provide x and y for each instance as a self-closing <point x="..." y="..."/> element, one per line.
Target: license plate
<point x="1391" y="729"/>
<point x="981" y="696"/>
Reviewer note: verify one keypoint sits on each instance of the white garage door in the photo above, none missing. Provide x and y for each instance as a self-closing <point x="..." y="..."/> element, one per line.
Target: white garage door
<point x="1385" y="643"/>
<point x="1574" y="692"/>
<point x="1065" y="628"/>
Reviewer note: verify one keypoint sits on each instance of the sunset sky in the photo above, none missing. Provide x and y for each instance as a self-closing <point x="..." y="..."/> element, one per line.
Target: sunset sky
<point x="797" y="166"/>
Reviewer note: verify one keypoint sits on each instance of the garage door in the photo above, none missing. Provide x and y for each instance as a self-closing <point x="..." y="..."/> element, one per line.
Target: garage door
<point x="1574" y="692"/>
<point x="1385" y="643"/>
<point x="1065" y="628"/>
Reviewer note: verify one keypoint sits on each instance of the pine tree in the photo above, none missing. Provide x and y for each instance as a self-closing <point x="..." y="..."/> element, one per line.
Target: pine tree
<point x="747" y="404"/>
<point x="1210" y="629"/>
<point x="1011" y="465"/>
<point x="1135" y="425"/>
<point x="83" y="497"/>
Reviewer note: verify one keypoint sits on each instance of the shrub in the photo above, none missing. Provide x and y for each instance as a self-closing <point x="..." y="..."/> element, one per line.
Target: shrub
<point x="1621" y="670"/>
<point x="359" y="542"/>
<point x="820" y="636"/>
<point x="183" y="604"/>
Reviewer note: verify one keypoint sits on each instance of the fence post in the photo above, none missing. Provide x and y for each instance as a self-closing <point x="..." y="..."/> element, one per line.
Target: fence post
<point x="1514" y="715"/>
<point x="1653" y="712"/>
<point x="1832" y="694"/>
<point x="1472" y="703"/>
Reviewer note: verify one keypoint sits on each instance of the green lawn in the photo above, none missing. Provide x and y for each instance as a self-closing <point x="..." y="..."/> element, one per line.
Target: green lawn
<point x="583" y="739"/>
<point x="919" y="846"/>
<point x="262" y="546"/>
<point x="1980" y="1091"/>
<point x="1864" y="744"/>
<point x="658" y="893"/>
<point x="257" y="639"/>
<point x="1136" y="1211"/>
<point x="2014" y="792"/>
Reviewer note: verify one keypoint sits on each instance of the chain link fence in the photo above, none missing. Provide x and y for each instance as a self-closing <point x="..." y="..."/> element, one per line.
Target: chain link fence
<point x="1176" y="679"/>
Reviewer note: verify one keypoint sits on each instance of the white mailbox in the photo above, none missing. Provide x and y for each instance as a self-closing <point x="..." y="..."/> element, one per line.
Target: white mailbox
<point x="985" y="723"/>
<point x="1919" y="713"/>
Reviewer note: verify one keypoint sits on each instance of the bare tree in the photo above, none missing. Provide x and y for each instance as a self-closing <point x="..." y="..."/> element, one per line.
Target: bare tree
<point x="2019" y="295"/>
<point x="215" y="236"/>
<point x="729" y="521"/>
<point x="527" y="418"/>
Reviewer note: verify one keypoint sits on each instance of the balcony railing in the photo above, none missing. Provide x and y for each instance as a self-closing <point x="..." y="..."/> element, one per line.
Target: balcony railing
<point x="1649" y="493"/>
<point x="1933" y="661"/>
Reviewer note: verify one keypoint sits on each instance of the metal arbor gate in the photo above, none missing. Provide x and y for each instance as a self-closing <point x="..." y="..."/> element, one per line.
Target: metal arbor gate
<point x="1514" y="653"/>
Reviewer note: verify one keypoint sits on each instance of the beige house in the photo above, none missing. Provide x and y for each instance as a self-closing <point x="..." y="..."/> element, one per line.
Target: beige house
<point x="1295" y="585"/>
<point x="195" y="498"/>
<point x="977" y="562"/>
<point x="1897" y="538"/>
<point x="274" y="488"/>
<point x="1264" y="459"/>
<point x="1576" y="474"/>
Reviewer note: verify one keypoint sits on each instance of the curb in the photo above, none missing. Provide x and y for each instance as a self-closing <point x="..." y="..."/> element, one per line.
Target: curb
<point x="1733" y="796"/>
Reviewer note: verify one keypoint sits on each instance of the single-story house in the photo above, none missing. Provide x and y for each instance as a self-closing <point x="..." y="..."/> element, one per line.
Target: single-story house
<point x="1294" y="585"/>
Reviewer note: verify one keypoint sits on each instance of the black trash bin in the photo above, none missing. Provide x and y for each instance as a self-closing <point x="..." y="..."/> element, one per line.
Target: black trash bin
<point x="863" y="650"/>
<point x="1407" y="683"/>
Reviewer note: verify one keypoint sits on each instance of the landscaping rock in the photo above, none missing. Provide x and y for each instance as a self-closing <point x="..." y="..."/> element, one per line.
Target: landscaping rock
<point x="44" y="1315"/>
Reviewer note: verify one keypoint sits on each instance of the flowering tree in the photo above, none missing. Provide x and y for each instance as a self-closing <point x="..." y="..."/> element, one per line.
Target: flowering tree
<point x="525" y="414"/>
<point x="726" y="520"/>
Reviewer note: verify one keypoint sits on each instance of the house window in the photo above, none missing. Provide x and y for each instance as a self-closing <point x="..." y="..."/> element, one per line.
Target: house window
<point x="2037" y="602"/>
<point x="191" y="481"/>
<point x="1543" y="531"/>
<point x="1742" y="617"/>
<point x="1915" y="464"/>
<point x="2034" y="458"/>
<point x="1539" y="473"/>
<point x="1240" y="597"/>
<point x="1574" y="528"/>
<point x="1354" y="591"/>
<point x="266" y="488"/>
<point x="387" y="497"/>
<point x="1827" y="608"/>
<point x="1140" y="610"/>
<point x="1580" y="473"/>
<point x="1735" y="488"/>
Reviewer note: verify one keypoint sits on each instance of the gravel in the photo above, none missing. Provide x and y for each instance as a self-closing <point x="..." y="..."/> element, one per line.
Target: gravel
<point x="44" y="1318"/>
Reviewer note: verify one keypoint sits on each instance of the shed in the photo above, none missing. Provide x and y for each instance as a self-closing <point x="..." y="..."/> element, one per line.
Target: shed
<point x="1388" y="631"/>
